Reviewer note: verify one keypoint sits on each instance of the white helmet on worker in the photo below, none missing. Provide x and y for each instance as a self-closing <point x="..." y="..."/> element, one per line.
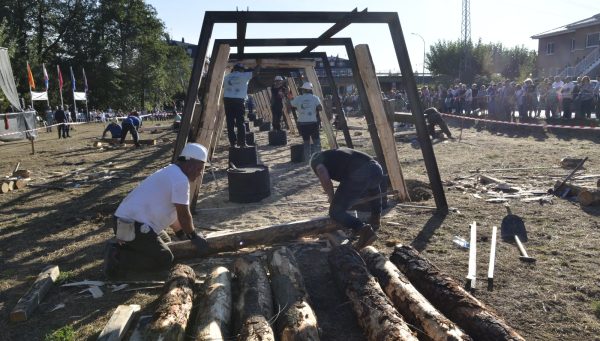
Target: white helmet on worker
<point x="278" y="78"/>
<point x="307" y="86"/>
<point x="194" y="151"/>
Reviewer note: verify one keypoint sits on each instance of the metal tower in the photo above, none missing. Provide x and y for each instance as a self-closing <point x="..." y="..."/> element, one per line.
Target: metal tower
<point x="465" y="36"/>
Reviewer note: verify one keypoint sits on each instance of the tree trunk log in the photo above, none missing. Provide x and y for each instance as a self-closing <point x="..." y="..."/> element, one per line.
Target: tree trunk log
<point x="232" y="241"/>
<point x="254" y="305"/>
<point x="4" y="187"/>
<point x="297" y="320"/>
<point x="415" y="308"/>
<point x="574" y="190"/>
<point x="587" y="198"/>
<point x="27" y="304"/>
<point x="376" y="314"/>
<point x="214" y="315"/>
<point x="20" y="183"/>
<point x="451" y="299"/>
<point x="174" y="306"/>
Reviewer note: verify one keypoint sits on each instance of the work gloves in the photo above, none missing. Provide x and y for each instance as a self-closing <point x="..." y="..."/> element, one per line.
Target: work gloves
<point x="199" y="241"/>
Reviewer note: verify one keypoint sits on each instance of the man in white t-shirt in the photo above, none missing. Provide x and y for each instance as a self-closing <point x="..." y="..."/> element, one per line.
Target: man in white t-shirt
<point x="307" y="107"/>
<point x="235" y="90"/>
<point x="160" y="201"/>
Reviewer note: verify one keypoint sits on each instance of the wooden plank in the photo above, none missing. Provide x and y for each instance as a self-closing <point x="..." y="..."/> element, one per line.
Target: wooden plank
<point x="287" y="115"/>
<point x="149" y="142"/>
<point x="311" y="75"/>
<point x="218" y="129"/>
<point x="267" y="104"/>
<point x="119" y="322"/>
<point x="292" y="86"/>
<point x="386" y="136"/>
<point x="261" y="111"/>
<point x="472" y="273"/>
<point x="276" y="63"/>
<point x="30" y="301"/>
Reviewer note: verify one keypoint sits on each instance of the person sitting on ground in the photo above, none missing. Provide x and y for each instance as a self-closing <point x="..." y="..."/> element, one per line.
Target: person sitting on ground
<point x="433" y="117"/>
<point x="162" y="200"/>
<point x="307" y="107"/>
<point x="131" y="124"/>
<point x="358" y="175"/>
<point x="114" y="129"/>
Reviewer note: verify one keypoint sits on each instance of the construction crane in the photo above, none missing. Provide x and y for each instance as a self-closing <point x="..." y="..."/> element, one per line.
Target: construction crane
<point x="464" y="72"/>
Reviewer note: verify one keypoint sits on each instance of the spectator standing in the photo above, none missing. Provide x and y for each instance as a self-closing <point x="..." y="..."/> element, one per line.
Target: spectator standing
<point x="61" y="118"/>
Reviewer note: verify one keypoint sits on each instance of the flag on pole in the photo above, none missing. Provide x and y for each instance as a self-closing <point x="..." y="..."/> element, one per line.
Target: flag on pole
<point x="72" y="78"/>
<point x="60" y="80"/>
<point x="85" y="86"/>
<point x="46" y="79"/>
<point x="30" y="77"/>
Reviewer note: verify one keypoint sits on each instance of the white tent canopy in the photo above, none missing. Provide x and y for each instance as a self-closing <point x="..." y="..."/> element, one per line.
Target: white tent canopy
<point x="7" y="80"/>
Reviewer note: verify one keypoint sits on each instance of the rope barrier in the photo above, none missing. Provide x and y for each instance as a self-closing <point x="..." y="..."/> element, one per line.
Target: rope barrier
<point x="579" y="127"/>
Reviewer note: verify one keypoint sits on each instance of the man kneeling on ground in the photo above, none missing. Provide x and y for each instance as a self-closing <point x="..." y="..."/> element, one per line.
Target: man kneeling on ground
<point x="434" y="118"/>
<point x="114" y="129"/>
<point x="160" y="201"/>
<point x="359" y="175"/>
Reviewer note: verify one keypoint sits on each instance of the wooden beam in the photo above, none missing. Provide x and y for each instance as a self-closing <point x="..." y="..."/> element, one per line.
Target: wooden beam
<point x="333" y="30"/>
<point x="119" y="322"/>
<point x="218" y="129"/>
<point x="276" y="63"/>
<point x="232" y="241"/>
<point x="149" y="142"/>
<point x="311" y="75"/>
<point x="34" y="296"/>
<point x="267" y="98"/>
<point x="386" y="135"/>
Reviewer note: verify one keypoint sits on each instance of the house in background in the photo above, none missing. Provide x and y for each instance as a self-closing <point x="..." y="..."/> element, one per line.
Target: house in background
<point x="571" y="50"/>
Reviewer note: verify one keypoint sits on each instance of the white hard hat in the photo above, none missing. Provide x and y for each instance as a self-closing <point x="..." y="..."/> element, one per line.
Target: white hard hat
<point x="307" y="86"/>
<point x="278" y="78"/>
<point x="194" y="151"/>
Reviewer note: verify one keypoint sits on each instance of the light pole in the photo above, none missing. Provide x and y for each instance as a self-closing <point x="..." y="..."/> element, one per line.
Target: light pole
<point x="423" y="74"/>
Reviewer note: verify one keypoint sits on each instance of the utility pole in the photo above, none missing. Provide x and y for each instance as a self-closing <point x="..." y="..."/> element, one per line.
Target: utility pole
<point x="422" y="74"/>
<point x="465" y="36"/>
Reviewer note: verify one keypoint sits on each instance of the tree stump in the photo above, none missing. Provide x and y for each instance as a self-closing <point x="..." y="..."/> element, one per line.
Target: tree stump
<point x="451" y="299"/>
<point x="297" y="320"/>
<point x="415" y="308"/>
<point x="376" y="314"/>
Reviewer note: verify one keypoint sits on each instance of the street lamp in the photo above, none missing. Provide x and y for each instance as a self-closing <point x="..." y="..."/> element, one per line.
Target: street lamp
<point x="423" y="74"/>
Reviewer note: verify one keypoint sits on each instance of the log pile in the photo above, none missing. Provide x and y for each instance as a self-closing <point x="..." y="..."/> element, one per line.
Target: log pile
<point x="214" y="313"/>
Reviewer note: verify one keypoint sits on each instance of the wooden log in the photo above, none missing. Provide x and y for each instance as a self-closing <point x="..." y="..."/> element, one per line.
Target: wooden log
<point x="499" y="184"/>
<point x="451" y="299"/>
<point x="376" y="314"/>
<point x="20" y="183"/>
<point x="413" y="306"/>
<point x="232" y="241"/>
<point x="119" y="322"/>
<point x="574" y="190"/>
<point x="150" y="142"/>
<point x="254" y="306"/>
<point x="29" y="302"/>
<point x="4" y="187"/>
<point x="214" y="315"/>
<point x="588" y="198"/>
<point x="22" y="173"/>
<point x="174" y="306"/>
<point x="296" y="320"/>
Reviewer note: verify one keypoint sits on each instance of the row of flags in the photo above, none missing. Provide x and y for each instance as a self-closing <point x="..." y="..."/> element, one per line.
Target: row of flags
<point x="60" y="79"/>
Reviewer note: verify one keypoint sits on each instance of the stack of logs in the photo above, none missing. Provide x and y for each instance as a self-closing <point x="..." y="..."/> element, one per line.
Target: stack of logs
<point x="403" y="298"/>
<point x="586" y="196"/>
<point x="17" y="180"/>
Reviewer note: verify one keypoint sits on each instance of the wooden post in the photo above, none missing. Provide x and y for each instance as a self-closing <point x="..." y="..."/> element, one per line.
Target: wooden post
<point x="297" y="320"/>
<point x="311" y="75"/>
<point x="386" y="136"/>
<point x="29" y="302"/>
<point x="413" y="306"/>
<point x="116" y="328"/>
<point x="174" y="306"/>
<point x="214" y="314"/>
<point x="236" y="240"/>
<point x="254" y="306"/>
<point x="374" y="311"/>
<point x="451" y="299"/>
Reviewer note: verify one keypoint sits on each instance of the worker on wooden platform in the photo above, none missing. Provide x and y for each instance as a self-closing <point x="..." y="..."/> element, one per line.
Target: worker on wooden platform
<point x="114" y="129"/>
<point x="131" y="124"/>
<point x="358" y="175"/>
<point x="160" y="201"/>
<point x="307" y="107"/>
<point x="433" y="117"/>
<point x="235" y="90"/>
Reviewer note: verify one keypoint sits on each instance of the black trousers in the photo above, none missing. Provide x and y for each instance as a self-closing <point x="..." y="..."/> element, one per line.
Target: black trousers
<point x="63" y="130"/>
<point x="147" y="252"/>
<point x="277" y="114"/>
<point x="234" y="115"/>
<point x="128" y="127"/>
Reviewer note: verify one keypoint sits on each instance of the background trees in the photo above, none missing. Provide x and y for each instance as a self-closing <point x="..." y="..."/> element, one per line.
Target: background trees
<point x="121" y="44"/>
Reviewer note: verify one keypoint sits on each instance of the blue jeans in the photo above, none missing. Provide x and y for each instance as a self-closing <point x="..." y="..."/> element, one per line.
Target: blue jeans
<point x="364" y="180"/>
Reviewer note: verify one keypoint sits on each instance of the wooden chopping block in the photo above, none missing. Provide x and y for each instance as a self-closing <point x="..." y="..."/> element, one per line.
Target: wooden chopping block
<point x="589" y="197"/>
<point x="569" y="162"/>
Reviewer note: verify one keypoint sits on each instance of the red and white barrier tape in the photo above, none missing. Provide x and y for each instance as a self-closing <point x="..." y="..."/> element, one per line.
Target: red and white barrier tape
<point x="582" y="127"/>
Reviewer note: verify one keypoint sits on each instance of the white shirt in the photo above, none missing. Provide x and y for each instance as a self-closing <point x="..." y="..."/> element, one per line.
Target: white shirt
<point x="235" y="84"/>
<point x="153" y="201"/>
<point x="557" y="85"/>
<point x="306" y="106"/>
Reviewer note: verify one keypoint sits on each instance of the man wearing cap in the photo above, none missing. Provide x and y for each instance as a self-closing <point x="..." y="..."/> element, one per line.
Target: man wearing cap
<point x="359" y="175"/>
<point x="307" y="107"/>
<point x="160" y="201"/>
<point x="114" y="129"/>
<point x="235" y="90"/>
<point x="278" y="93"/>
<point x="131" y="124"/>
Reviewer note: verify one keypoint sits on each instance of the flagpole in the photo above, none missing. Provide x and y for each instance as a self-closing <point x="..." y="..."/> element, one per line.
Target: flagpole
<point x="73" y="88"/>
<point x="62" y="105"/>
<point x="28" y="73"/>
<point x="46" y="83"/>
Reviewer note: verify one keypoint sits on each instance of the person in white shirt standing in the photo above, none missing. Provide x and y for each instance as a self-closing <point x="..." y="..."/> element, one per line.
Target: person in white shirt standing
<point x="160" y="201"/>
<point x="235" y="90"/>
<point x="307" y="107"/>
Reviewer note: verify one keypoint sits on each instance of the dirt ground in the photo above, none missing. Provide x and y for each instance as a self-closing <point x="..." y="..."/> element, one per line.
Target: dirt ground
<point x="63" y="219"/>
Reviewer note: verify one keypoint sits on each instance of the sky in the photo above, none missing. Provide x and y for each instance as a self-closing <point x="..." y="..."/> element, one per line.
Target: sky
<point x="510" y="22"/>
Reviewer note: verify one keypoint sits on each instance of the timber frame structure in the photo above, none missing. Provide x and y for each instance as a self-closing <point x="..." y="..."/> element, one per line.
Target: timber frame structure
<point x="340" y="20"/>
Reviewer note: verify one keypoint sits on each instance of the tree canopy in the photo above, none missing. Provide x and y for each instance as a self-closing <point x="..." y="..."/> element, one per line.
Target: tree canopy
<point x="121" y="44"/>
